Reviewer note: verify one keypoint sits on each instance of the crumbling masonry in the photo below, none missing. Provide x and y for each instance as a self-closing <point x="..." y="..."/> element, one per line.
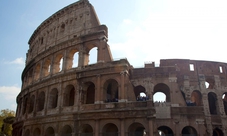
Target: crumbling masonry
<point x="65" y="96"/>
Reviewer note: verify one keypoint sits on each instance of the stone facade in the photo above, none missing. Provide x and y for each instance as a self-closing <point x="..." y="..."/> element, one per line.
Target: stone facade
<point x="64" y="97"/>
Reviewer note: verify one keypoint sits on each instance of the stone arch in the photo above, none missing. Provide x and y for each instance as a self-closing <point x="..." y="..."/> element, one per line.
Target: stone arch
<point x="53" y="98"/>
<point x="217" y="132"/>
<point x="72" y="59"/>
<point x="110" y="129"/>
<point x="196" y="98"/>
<point x="69" y="96"/>
<point x="25" y="105"/>
<point x="224" y="99"/>
<point x="213" y="103"/>
<point x="165" y="130"/>
<point x="188" y="130"/>
<point x="163" y="88"/>
<point x="89" y="93"/>
<point x="66" y="131"/>
<point x="49" y="131"/>
<point x="27" y="132"/>
<point x="46" y="67"/>
<point x="37" y="132"/>
<point x="93" y="55"/>
<point x="31" y="104"/>
<point x="111" y="90"/>
<point x="86" y="130"/>
<point x="30" y="76"/>
<point x="136" y="129"/>
<point x="90" y="51"/>
<point x="58" y="63"/>
<point x="37" y="71"/>
<point x="209" y="83"/>
<point x="140" y="93"/>
<point x="40" y="101"/>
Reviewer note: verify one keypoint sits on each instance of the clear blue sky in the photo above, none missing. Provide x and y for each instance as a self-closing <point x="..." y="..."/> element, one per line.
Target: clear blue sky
<point x="141" y="31"/>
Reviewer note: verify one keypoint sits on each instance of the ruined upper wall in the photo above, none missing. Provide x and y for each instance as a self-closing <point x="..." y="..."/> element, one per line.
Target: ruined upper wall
<point x="73" y="21"/>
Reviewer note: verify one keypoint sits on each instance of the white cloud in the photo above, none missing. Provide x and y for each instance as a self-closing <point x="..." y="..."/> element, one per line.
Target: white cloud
<point x="8" y="96"/>
<point x="184" y="30"/>
<point x="19" y="61"/>
<point x="9" y="92"/>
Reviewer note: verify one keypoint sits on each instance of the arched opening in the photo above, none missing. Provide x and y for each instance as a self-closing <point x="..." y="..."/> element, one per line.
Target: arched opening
<point x="159" y="97"/>
<point x="66" y="131"/>
<point x="86" y="130"/>
<point x="46" y="67"/>
<point x="37" y="72"/>
<point x="186" y="131"/>
<point x="165" y="131"/>
<point x="93" y="55"/>
<point x="111" y="90"/>
<point x="53" y="99"/>
<point x="140" y="93"/>
<point x="110" y="130"/>
<point x="163" y="88"/>
<point x="90" y="93"/>
<point x="213" y="104"/>
<point x="196" y="99"/>
<point x="72" y="59"/>
<point x="30" y="76"/>
<point x="69" y="96"/>
<point x="27" y="132"/>
<point x="49" y="131"/>
<point x="224" y="99"/>
<point x="25" y="104"/>
<point x="209" y="83"/>
<point x="58" y="63"/>
<point x="37" y="132"/>
<point x="40" y="101"/>
<point x="75" y="59"/>
<point x="136" y="129"/>
<point x="217" y="132"/>
<point x="31" y="104"/>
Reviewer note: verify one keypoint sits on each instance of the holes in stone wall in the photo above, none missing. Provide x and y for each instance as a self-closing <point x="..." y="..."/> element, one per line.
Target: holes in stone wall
<point x="220" y="69"/>
<point x="191" y="67"/>
<point x="46" y="67"/>
<point x="163" y="88"/>
<point x="53" y="99"/>
<point x="159" y="97"/>
<point x="93" y="55"/>
<point x="58" y="63"/>
<point x="69" y="96"/>
<point x="66" y="131"/>
<point x="111" y="90"/>
<point x="40" y="101"/>
<point x="213" y="103"/>
<point x="224" y="99"/>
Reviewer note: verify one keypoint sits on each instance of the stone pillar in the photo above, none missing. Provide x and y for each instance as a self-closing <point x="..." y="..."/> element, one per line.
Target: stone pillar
<point x="122" y="89"/>
<point x="96" y="127"/>
<point x="122" y="127"/>
<point x="98" y="91"/>
<point x="150" y="126"/>
<point x="64" y="65"/>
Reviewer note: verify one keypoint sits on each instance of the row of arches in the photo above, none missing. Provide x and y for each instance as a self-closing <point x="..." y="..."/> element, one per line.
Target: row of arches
<point x="186" y="131"/>
<point x="59" y="62"/>
<point x="110" y="129"/>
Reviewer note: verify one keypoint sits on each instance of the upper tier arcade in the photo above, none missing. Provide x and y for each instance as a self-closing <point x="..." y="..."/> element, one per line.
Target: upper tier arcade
<point x="68" y="24"/>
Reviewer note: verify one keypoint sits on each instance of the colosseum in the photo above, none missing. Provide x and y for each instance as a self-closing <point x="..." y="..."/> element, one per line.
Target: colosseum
<point x="63" y="94"/>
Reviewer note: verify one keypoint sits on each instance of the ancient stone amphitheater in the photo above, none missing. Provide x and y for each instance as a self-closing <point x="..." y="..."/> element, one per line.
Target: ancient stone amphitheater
<point x="64" y="95"/>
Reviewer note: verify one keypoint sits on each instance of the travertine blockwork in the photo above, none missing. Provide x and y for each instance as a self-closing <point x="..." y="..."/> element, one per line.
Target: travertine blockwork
<point x="65" y="96"/>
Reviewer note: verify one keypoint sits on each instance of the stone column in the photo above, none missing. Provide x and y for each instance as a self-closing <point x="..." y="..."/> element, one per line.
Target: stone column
<point x="150" y="127"/>
<point x="122" y="127"/>
<point x="96" y="127"/>
<point x="122" y="89"/>
<point x="98" y="91"/>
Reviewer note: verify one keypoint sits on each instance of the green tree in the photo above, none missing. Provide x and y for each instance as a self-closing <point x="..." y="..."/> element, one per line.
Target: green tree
<point x="6" y="120"/>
